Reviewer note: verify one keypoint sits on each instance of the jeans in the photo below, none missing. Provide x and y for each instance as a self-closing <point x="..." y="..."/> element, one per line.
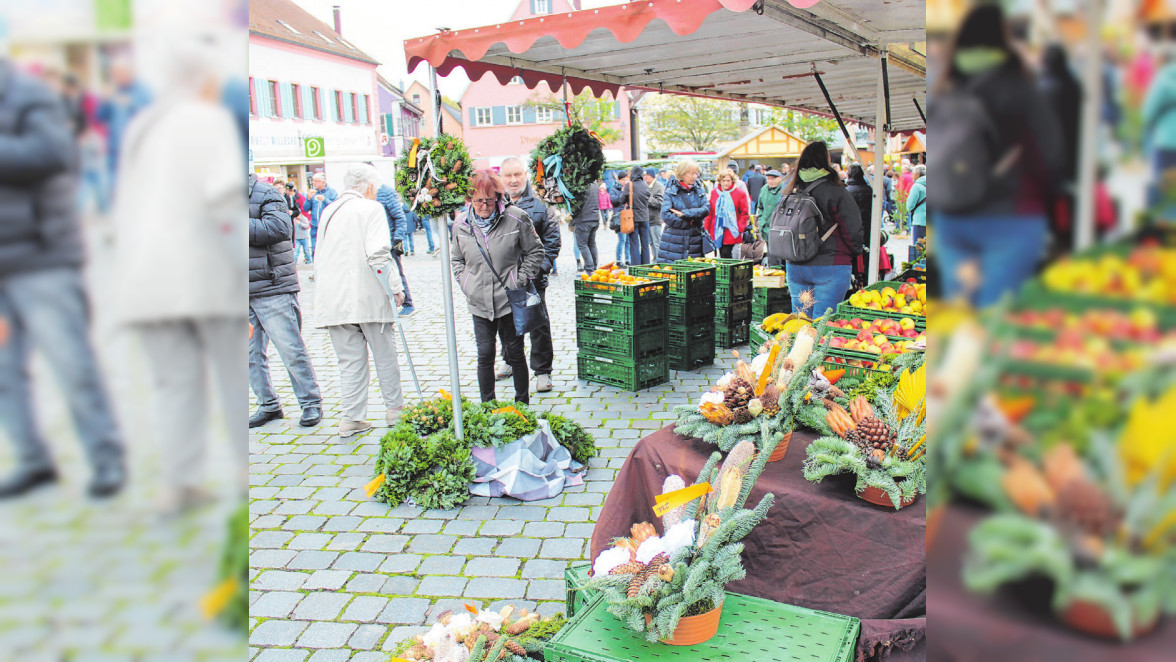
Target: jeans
<point x="542" y="351"/>
<point x="485" y="331"/>
<point x="1008" y="249"/>
<point x="93" y="183"/>
<point x="313" y="237"/>
<point x="408" y="241"/>
<point x="751" y="205"/>
<point x="47" y="310"/>
<point x="639" y="244"/>
<point x="828" y="284"/>
<point x="586" y="242"/>
<point x="920" y="231"/>
<point x="429" y="223"/>
<point x="403" y="281"/>
<point x="576" y="251"/>
<point x="279" y="318"/>
<point x="302" y="247"/>
<point x="622" y="247"/>
<point x="655" y="233"/>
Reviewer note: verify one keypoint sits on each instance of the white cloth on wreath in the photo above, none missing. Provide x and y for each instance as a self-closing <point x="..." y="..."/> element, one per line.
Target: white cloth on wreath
<point x="530" y="468"/>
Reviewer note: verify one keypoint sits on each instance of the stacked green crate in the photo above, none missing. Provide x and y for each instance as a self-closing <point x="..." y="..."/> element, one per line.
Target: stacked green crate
<point x="733" y="301"/>
<point x="691" y="312"/>
<point x="620" y="331"/>
<point x="767" y="301"/>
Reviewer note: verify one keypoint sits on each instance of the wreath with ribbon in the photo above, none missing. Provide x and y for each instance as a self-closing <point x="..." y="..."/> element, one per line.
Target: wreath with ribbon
<point x="565" y="164"/>
<point x="434" y="175"/>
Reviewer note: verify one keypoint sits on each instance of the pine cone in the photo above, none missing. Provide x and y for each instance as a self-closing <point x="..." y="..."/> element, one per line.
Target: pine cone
<point x="742" y="415"/>
<point x="642" y="531"/>
<point x="771" y="399"/>
<point x="1087" y="507"/>
<point x="520" y="626"/>
<point x="875" y="434"/>
<point x="630" y="568"/>
<point x="516" y="648"/>
<point x="738" y="393"/>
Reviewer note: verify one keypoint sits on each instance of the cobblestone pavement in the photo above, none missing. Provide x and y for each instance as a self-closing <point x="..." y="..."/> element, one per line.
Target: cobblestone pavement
<point x="109" y="580"/>
<point x="337" y="576"/>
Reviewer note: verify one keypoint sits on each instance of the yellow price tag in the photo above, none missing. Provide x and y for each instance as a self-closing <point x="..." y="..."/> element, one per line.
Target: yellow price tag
<point x="373" y="485"/>
<point x="671" y="500"/>
<point x="412" y="154"/>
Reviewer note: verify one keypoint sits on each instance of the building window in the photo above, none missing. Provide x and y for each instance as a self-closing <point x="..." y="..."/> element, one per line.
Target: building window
<point x="297" y="99"/>
<point x="416" y="100"/>
<point x="339" y="116"/>
<point x="324" y="37"/>
<point x="542" y="6"/>
<point x="514" y="114"/>
<point x="760" y="116"/>
<point x="288" y="26"/>
<point x="273" y="103"/>
<point x="316" y="103"/>
<point x="252" y="98"/>
<point x="354" y="107"/>
<point x="363" y="110"/>
<point x="544" y="115"/>
<point x="482" y="117"/>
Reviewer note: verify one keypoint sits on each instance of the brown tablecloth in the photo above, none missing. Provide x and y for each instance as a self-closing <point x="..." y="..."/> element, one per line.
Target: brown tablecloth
<point x="1015" y="623"/>
<point x="820" y="547"/>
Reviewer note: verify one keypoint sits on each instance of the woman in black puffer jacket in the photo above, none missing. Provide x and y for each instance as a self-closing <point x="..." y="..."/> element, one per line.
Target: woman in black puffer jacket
<point x="684" y="208"/>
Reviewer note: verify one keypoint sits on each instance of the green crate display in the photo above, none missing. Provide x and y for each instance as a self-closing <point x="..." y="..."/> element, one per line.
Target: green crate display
<point x="575" y="581"/>
<point x="1035" y="295"/>
<point x="681" y="336"/>
<point x="606" y="292"/>
<point x="628" y="375"/>
<point x="691" y="312"/>
<point x="734" y="335"/>
<point x="732" y="314"/>
<point x="686" y="281"/>
<point x="632" y="317"/>
<point x="620" y="344"/>
<point x="728" y="270"/>
<point x="851" y="370"/>
<point x="769" y="301"/>
<point x="732" y="292"/>
<point x="751" y="629"/>
<point x="757" y="336"/>
<point x="693" y="355"/>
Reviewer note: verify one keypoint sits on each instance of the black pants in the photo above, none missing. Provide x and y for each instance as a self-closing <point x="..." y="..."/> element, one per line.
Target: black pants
<point x="725" y="251"/>
<point x="403" y="281"/>
<point x="542" y="353"/>
<point x="485" y="331"/>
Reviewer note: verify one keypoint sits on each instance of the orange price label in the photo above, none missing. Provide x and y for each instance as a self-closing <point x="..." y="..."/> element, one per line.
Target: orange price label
<point x="664" y="503"/>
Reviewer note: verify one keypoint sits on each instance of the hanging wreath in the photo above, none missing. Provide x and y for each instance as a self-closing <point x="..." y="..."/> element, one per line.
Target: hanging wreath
<point x="434" y="175"/>
<point x="565" y="164"/>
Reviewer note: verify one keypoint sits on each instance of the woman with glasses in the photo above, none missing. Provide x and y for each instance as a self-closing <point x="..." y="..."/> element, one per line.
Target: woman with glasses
<point x="495" y="236"/>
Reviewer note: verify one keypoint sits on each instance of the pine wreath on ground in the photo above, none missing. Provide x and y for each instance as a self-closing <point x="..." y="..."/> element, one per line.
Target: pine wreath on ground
<point x="441" y="190"/>
<point x="580" y="163"/>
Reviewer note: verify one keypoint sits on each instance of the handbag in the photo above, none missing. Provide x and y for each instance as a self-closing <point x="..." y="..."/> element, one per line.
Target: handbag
<point x="627" y="225"/>
<point x="525" y="303"/>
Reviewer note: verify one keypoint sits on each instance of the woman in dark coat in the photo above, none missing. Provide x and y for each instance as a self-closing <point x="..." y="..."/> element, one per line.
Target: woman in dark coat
<point x="684" y="208"/>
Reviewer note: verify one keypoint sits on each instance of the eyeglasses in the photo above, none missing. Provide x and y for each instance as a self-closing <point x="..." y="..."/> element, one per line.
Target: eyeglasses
<point x="482" y="202"/>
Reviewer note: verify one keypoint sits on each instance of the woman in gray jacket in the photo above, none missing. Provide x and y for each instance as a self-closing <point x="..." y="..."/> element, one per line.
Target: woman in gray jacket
<point x="495" y="231"/>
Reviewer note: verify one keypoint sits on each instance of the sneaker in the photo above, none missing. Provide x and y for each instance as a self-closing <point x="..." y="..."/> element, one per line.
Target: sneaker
<point x="351" y="428"/>
<point x="407" y="311"/>
<point x="392" y="416"/>
<point x="542" y="383"/>
<point x="504" y="372"/>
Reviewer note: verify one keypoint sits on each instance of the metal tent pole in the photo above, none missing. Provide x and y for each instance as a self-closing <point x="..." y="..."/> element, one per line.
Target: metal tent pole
<point x="881" y="120"/>
<point x="849" y="143"/>
<point x="1088" y="141"/>
<point x="447" y="282"/>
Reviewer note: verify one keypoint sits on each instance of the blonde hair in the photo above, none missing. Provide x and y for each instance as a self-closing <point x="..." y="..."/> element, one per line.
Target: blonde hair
<point x="725" y="175"/>
<point x="684" y="168"/>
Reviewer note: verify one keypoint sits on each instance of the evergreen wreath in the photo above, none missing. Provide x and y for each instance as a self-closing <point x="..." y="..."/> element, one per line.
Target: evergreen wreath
<point x="434" y="176"/>
<point x="565" y="164"/>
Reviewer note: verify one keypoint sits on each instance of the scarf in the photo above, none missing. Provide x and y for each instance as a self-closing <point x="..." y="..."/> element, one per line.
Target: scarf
<point x="978" y="59"/>
<point x="483" y="223"/>
<point x="724" y="216"/>
<point x="809" y="175"/>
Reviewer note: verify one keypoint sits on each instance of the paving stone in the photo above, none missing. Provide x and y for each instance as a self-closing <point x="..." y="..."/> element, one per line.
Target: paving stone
<point x="346" y="542"/>
<point x="367" y="637"/>
<point x="304" y="523"/>
<point x="366" y="583"/>
<point x="275" y="604"/>
<point x="385" y="544"/>
<point x="526" y="513"/>
<point x="474" y="546"/>
<point x="276" y="633"/>
<point x="436" y="585"/>
<point x="544" y="569"/>
<point x="326" y="635"/>
<point x="562" y="548"/>
<point x="416" y="526"/>
<point x="546" y="589"/>
<point x="330" y="580"/>
<point x="270" y="539"/>
<point x="461" y="527"/>
<point x="406" y="611"/>
<point x="359" y="561"/>
<point x="365" y="608"/>
<point x="368" y="656"/>
<point x="492" y="567"/>
<point x="496" y="588"/>
<point x="333" y="655"/>
<point x="441" y="565"/>
<point x="502" y="528"/>
<point x="431" y="544"/>
<point x="281" y="655"/>
<point x="279" y="580"/>
<point x="518" y="547"/>
<point x="341" y="523"/>
<point x="583" y="530"/>
<point x="543" y="529"/>
<point x="322" y="606"/>
<point x="309" y="541"/>
<point x="400" y="585"/>
<point x="455" y="605"/>
<point x="313" y="560"/>
<point x="270" y="558"/>
<point x="400" y="563"/>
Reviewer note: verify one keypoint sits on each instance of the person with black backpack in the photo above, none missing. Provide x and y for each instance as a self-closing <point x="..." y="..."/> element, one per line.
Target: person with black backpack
<point x="999" y="161"/>
<point x="817" y="230"/>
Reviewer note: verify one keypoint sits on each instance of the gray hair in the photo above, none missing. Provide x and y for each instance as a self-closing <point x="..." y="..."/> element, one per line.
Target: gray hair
<point x="920" y="171"/>
<point x="319" y="175"/>
<point x="360" y="176"/>
<point x="512" y="159"/>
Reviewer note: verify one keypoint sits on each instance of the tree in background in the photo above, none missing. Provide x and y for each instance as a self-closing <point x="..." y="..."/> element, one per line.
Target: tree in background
<point x="675" y="122"/>
<point x="596" y="115"/>
<point x="808" y="128"/>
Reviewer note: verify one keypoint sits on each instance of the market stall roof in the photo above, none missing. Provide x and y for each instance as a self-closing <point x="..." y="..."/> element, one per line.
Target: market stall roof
<point x="771" y="141"/>
<point x="916" y="144"/>
<point x="759" y="51"/>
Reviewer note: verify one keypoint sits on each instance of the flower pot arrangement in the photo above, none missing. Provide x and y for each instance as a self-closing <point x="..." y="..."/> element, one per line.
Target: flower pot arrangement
<point x="482" y="635"/>
<point x="882" y="444"/>
<point x="434" y="175"/>
<point x="671" y="587"/>
<point x="1108" y="543"/>
<point x="566" y="164"/>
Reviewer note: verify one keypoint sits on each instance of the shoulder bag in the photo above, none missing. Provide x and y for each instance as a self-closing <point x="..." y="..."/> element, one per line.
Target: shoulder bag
<point x="627" y="225"/>
<point x="525" y="303"/>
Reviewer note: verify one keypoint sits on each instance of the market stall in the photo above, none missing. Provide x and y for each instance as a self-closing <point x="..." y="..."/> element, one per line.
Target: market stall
<point x="770" y="146"/>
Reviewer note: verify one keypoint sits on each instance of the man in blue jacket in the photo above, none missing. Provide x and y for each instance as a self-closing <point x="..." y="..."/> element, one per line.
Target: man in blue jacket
<point x="398" y="228"/>
<point x="316" y="203"/>
<point x="42" y="294"/>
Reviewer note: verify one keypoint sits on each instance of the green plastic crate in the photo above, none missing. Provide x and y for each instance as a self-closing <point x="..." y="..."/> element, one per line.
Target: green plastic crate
<point x="1035" y="295"/>
<point x="740" y="291"/>
<point x="770" y="300"/>
<point x="750" y="630"/>
<point x="734" y="313"/>
<point x="851" y="370"/>
<point x="734" y="335"/>
<point x="680" y="336"/>
<point x="620" y="344"/>
<point x="847" y="310"/>
<point x="757" y="336"/>
<point x="623" y="293"/>
<point x="694" y="355"/>
<point x="728" y="270"/>
<point x="629" y="375"/>
<point x="575" y="581"/>
<point x="632" y="317"/>
<point x="691" y="312"/>
<point x="686" y="281"/>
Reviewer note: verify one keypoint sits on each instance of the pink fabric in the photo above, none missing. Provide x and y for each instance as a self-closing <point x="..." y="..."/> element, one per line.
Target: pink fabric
<point x="605" y="201"/>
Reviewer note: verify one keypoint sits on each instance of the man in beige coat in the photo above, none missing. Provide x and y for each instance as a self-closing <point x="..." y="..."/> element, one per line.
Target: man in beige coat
<point x="351" y="302"/>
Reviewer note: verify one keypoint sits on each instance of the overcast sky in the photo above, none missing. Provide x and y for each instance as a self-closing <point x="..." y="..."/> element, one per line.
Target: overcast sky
<point x="379" y="28"/>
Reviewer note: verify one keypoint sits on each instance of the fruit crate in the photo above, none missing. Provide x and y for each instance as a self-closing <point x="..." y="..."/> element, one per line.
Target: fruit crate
<point x="732" y="292"/>
<point x="733" y="335"/>
<point x="749" y="629"/>
<point x="630" y="375"/>
<point x="920" y="324"/>
<point x="620" y="344"/>
<point x="680" y="336"/>
<point x="844" y="308"/>
<point x="1035" y="295"/>
<point x="686" y="281"/>
<point x="634" y="317"/>
<point x="575" y="581"/>
<point x="757" y="336"/>
<point x="691" y="312"/>
<point x="769" y="300"/>
<point x="617" y="292"/>
<point x="734" y="313"/>
<point x="728" y="270"/>
<point x="769" y="282"/>
<point x="852" y="370"/>
<point x="693" y="355"/>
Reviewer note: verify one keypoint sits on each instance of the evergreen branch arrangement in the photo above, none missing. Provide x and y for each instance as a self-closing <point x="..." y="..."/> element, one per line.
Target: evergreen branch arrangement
<point x="422" y="460"/>
<point x="234" y="569"/>
<point x="883" y="444"/>
<point x="759" y="402"/>
<point x="482" y="635"/>
<point x="650" y="582"/>
<point x="581" y="159"/>
<point x="435" y="176"/>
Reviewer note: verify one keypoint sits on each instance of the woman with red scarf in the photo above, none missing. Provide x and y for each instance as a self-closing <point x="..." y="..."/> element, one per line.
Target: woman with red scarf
<point x="727" y="219"/>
